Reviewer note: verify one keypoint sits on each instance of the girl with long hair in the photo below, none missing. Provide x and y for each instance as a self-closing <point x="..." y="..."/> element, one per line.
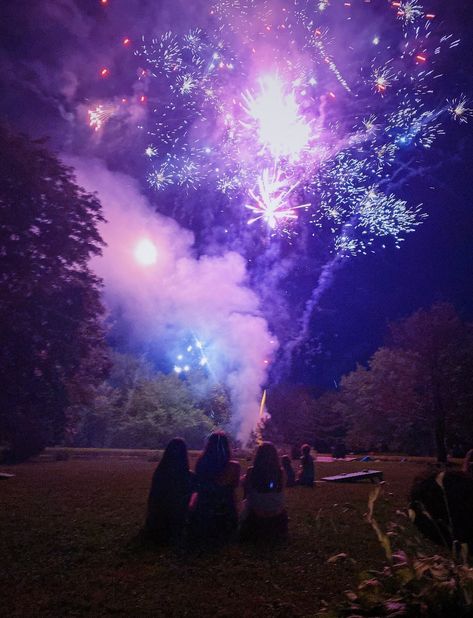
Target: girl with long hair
<point x="264" y="517"/>
<point x="168" y="501"/>
<point x="214" y="516"/>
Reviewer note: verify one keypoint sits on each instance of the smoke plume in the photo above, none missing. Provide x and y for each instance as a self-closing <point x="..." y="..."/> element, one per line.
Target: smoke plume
<point x="180" y="292"/>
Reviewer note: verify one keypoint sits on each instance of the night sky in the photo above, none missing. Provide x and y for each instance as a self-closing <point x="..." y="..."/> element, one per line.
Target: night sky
<point x="51" y="56"/>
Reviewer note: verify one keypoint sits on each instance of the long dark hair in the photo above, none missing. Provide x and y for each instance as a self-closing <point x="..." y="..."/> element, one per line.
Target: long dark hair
<point x="215" y="457"/>
<point x="266" y="475"/>
<point x="175" y="460"/>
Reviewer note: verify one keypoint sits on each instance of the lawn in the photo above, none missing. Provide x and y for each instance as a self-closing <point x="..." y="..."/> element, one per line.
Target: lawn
<point x="67" y="548"/>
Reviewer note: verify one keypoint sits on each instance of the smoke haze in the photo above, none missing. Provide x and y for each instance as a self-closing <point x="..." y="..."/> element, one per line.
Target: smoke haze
<point x="181" y="292"/>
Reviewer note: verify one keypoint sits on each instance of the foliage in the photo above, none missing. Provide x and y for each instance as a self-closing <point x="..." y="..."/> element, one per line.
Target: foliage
<point x="216" y="405"/>
<point x="411" y="583"/>
<point x="291" y="415"/>
<point x="382" y="404"/>
<point x="297" y="417"/>
<point x="139" y="408"/>
<point x="50" y="306"/>
<point x="416" y="393"/>
<point x="442" y="346"/>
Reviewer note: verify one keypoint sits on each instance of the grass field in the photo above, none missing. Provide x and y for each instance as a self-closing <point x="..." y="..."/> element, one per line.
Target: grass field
<point x="67" y="549"/>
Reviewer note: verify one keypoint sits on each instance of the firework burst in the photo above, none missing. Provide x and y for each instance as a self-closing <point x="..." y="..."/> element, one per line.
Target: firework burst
<point x="274" y="102"/>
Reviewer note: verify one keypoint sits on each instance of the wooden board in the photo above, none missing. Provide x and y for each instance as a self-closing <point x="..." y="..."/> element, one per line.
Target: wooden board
<point x="354" y="477"/>
<point x="330" y="459"/>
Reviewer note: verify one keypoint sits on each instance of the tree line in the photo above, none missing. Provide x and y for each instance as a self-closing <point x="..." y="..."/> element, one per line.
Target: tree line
<point x="415" y="394"/>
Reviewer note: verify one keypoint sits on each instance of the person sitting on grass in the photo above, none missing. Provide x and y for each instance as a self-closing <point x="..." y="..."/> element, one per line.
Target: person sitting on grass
<point x="264" y="517"/>
<point x="214" y="516"/>
<point x="441" y="506"/>
<point x="306" y="474"/>
<point x="168" y="501"/>
<point x="288" y="471"/>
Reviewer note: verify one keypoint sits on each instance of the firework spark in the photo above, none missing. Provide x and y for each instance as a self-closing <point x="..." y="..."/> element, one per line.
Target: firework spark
<point x="272" y="199"/>
<point x="99" y="115"/>
<point x="459" y="110"/>
<point x="264" y="95"/>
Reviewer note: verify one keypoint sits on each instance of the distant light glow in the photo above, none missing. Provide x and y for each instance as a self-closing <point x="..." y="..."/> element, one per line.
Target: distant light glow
<point x="145" y="252"/>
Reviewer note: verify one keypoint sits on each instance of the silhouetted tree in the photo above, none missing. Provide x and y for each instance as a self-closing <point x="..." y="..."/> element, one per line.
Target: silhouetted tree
<point x="50" y="301"/>
<point x="442" y="346"/>
<point x="291" y="415"/>
<point x="418" y="391"/>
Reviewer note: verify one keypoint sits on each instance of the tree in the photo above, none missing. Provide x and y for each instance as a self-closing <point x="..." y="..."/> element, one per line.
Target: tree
<point x="136" y="407"/>
<point x="50" y="305"/>
<point x="416" y="394"/>
<point x="329" y="421"/>
<point x="382" y="406"/>
<point x="291" y="415"/>
<point x="217" y="406"/>
<point x="442" y="345"/>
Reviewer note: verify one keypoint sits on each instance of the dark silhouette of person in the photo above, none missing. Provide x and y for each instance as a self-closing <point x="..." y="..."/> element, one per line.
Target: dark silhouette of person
<point x="306" y="476"/>
<point x="264" y="516"/>
<point x="168" y="502"/>
<point x="288" y="471"/>
<point x="441" y="506"/>
<point x="214" y="516"/>
<point x="339" y="450"/>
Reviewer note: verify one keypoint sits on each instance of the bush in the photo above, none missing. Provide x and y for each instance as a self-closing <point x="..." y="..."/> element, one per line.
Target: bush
<point x="412" y="583"/>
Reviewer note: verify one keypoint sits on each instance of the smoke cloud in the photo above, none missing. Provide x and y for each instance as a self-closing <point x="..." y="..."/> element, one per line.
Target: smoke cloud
<point x="180" y="292"/>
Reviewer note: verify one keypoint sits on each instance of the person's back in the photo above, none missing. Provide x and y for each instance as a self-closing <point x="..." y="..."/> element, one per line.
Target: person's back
<point x="264" y="516"/>
<point x="441" y="506"/>
<point x="170" y="492"/>
<point x="214" y="514"/>
<point x="306" y="471"/>
<point x="339" y="451"/>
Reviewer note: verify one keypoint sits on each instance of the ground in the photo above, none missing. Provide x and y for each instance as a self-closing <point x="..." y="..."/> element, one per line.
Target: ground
<point x="67" y="545"/>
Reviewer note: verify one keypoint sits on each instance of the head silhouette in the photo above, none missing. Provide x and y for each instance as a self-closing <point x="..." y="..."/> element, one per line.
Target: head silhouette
<point x="286" y="462"/>
<point x="175" y="457"/>
<point x="215" y="457"/>
<point x="305" y="449"/>
<point x="266" y="475"/>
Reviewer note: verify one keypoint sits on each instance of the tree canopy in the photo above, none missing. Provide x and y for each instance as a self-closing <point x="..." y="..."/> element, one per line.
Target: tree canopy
<point x="137" y="407"/>
<point x="50" y="309"/>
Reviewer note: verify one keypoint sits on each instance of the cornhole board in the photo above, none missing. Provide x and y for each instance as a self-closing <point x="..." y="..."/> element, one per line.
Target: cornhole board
<point x="354" y="477"/>
<point x="6" y="475"/>
<point x="326" y="459"/>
